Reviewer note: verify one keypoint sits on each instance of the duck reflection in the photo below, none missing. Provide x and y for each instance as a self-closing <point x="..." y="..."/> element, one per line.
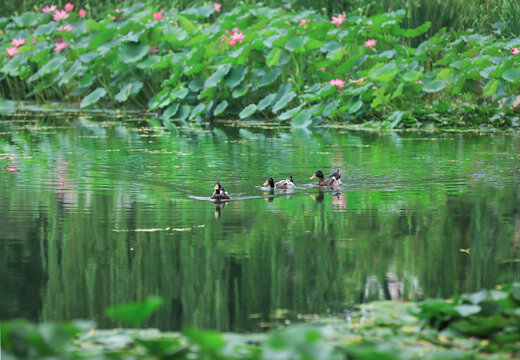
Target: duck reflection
<point x="319" y="197"/>
<point x="218" y="208"/>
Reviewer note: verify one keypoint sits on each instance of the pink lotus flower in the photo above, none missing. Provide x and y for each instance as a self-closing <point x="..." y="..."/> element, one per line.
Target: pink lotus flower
<point x="370" y="43"/>
<point x="337" y="82"/>
<point x="406" y="4"/>
<point x="69" y="7"/>
<point x="302" y="22"/>
<point x="82" y="13"/>
<point x="12" y="51"/>
<point x="515" y="51"/>
<point x="157" y="16"/>
<point x="340" y="19"/>
<point x="59" y="46"/>
<point x="117" y="18"/>
<point x="60" y="15"/>
<point x="176" y="24"/>
<point x="153" y="50"/>
<point x="18" y="42"/>
<point x="324" y="68"/>
<point x="217" y="6"/>
<point x="48" y="9"/>
<point x="237" y="37"/>
<point x="67" y="27"/>
<point x="516" y="63"/>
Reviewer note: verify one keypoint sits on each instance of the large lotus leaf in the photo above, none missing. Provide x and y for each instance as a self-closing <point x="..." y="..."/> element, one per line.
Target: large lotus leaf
<point x="273" y="57"/>
<point x="511" y="75"/>
<point x="248" y="111"/>
<point x="265" y="102"/>
<point x="216" y="77"/>
<point x="93" y="97"/>
<point x="295" y="42"/>
<point x="235" y="76"/>
<point x="270" y="77"/>
<point x="7" y="107"/>
<point x="491" y="87"/>
<point x="220" y="108"/>
<point x="134" y="313"/>
<point x="303" y="119"/>
<point x="27" y="19"/>
<point x="385" y="73"/>
<point x="128" y="89"/>
<point x="69" y="74"/>
<point x="52" y="66"/>
<point x="284" y="101"/>
<point x="434" y="86"/>
<point x="132" y="52"/>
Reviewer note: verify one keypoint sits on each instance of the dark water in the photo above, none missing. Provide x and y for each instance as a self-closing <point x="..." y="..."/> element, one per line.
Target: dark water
<point x="95" y="213"/>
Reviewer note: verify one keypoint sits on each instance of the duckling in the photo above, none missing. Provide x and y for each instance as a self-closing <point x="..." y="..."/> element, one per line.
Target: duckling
<point x="220" y="193"/>
<point x="282" y="184"/>
<point x="332" y="180"/>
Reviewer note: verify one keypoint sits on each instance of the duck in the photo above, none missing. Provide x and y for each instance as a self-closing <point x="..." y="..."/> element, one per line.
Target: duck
<point x="332" y="180"/>
<point x="220" y="193"/>
<point x="282" y="184"/>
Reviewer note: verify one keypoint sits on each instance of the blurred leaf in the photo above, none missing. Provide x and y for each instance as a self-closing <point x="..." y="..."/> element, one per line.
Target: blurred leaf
<point x="248" y="111"/>
<point x="132" y="52"/>
<point x="134" y="313"/>
<point x="93" y="97"/>
<point x="273" y="57"/>
<point x="434" y="86"/>
<point x="511" y="75"/>
<point x="7" y="107"/>
<point x="220" y="108"/>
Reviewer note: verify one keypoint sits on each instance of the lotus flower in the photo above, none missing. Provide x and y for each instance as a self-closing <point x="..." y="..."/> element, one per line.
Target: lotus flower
<point x="48" y="9"/>
<point x="59" y="46"/>
<point x="69" y="7"/>
<point x="157" y="16"/>
<point x="370" y="43"/>
<point x="217" y="6"/>
<point x="153" y="50"/>
<point x="60" y="15"/>
<point x="237" y="36"/>
<point x="82" y="13"/>
<point x="302" y="22"/>
<point x="18" y="42"/>
<point x="340" y="19"/>
<point x="515" y="51"/>
<point x="67" y="27"/>
<point x="12" y="51"/>
<point x="337" y="82"/>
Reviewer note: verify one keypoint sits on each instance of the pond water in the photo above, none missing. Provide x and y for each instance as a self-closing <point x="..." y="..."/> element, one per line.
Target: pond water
<point x="100" y="212"/>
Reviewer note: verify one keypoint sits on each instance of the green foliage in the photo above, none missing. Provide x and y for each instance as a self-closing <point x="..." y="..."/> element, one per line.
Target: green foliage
<point x="194" y="59"/>
<point x="379" y="331"/>
<point x="492" y="314"/>
<point x="135" y="313"/>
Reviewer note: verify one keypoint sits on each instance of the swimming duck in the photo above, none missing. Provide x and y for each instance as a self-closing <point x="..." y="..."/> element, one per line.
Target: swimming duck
<point x="282" y="184"/>
<point x="332" y="180"/>
<point x="220" y="193"/>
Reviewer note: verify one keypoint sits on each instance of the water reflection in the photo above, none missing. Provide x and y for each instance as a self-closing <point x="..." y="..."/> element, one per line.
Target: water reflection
<point x="95" y="213"/>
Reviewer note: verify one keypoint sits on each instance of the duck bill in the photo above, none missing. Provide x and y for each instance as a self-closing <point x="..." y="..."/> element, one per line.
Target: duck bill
<point x="266" y="183"/>
<point x="217" y="187"/>
<point x="313" y="176"/>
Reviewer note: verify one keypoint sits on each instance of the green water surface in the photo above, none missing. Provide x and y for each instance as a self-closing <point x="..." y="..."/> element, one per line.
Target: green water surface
<point x="100" y="212"/>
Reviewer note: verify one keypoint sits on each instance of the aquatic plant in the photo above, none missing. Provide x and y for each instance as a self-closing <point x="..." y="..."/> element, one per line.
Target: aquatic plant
<point x="260" y="62"/>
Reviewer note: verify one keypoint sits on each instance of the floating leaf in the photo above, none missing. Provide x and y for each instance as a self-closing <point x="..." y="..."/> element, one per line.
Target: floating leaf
<point x="93" y="97"/>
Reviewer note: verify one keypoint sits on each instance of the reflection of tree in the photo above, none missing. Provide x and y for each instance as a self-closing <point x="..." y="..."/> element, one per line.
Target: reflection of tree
<point x="63" y="259"/>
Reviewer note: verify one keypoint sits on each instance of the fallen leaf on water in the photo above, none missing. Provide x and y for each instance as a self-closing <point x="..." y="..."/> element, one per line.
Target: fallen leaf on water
<point x="442" y="339"/>
<point x="467" y="251"/>
<point x="355" y="339"/>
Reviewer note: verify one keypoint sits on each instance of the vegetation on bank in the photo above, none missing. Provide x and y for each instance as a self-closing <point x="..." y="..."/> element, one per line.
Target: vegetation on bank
<point x="259" y="62"/>
<point x="481" y="325"/>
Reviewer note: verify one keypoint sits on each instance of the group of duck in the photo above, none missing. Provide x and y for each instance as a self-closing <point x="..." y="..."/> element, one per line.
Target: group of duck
<point x="288" y="184"/>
